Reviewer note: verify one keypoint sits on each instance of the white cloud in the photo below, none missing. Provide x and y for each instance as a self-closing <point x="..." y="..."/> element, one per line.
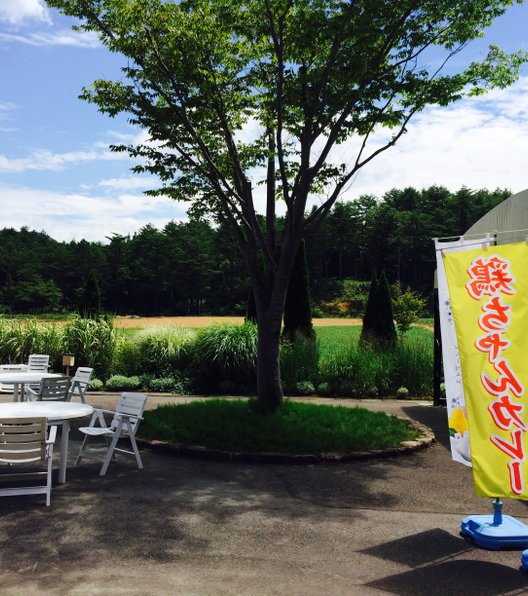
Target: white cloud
<point x="80" y="39"/>
<point x="6" y="109"/>
<point x="6" y="106"/>
<point x="479" y="142"/>
<point x="75" y="216"/>
<point x="47" y="160"/>
<point x="17" y="11"/>
<point x="129" y="183"/>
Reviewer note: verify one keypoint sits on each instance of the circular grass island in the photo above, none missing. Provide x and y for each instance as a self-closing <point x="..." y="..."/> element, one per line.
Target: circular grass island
<point x="304" y="433"/>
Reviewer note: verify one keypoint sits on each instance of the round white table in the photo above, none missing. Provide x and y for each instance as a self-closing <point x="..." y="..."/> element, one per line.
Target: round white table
<point x="21" y="377"/>
<point x="57" y="412"/>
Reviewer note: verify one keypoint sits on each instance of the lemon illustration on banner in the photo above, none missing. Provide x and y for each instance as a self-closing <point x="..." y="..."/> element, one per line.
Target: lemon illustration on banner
<point x="459" y="433"/>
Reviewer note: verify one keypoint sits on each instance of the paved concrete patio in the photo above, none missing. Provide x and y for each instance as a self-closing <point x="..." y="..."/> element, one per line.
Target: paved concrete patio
<point x="195" y="527"/>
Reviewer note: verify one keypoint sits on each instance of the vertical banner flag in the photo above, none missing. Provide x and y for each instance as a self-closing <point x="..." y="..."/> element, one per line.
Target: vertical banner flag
<point x="454" y="389"/>
<point x="488" y="289"/>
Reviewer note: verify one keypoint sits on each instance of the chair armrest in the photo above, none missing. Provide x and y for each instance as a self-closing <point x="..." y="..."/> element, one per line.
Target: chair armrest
<point x="31" y="393"/>
<point x="52" y="435"/>
<point x="105" y="411"/>
<point x="130" y="416"/>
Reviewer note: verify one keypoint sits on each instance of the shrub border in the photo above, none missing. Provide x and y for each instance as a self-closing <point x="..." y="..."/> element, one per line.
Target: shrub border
<point x="425" y="440"/>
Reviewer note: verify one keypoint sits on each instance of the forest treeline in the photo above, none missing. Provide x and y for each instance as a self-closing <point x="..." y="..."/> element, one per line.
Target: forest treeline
<point x="194" y="267"/>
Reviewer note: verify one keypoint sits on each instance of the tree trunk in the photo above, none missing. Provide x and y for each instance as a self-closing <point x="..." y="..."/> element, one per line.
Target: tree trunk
<point x="269" y="386"/>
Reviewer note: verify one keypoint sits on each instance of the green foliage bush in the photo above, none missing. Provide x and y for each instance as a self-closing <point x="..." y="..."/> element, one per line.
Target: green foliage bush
<point x="299" y="363"/>
<point x="349" y="299"/>
<point x="226" y="352"/>
<point x="172" y="384"/>
<point x="96" y="385"/>
<point x="407" y="307"/>
<point x="122" y="383"/>
<point x="356" y="371"/>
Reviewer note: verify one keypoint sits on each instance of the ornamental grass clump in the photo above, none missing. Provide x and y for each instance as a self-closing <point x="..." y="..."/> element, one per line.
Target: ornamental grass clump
<point x="94" y="343"/>
<point x="226" y="355"/>
<point x="163" y="350"/>
<point x="234" y="425"/>
<point x="19" y="339"/>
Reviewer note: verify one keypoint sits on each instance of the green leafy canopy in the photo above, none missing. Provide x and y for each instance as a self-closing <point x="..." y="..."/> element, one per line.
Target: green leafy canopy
<point x="208" y="79"/>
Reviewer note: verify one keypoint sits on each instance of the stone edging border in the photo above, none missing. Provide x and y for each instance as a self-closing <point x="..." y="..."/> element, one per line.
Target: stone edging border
<point x="196" y="451"/>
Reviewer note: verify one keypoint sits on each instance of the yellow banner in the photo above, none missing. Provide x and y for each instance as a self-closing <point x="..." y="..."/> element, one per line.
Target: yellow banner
<point x="488" y="289"/>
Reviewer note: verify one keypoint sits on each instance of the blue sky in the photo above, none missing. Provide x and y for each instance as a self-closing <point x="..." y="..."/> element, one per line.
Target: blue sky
<point x="57" y="174"/>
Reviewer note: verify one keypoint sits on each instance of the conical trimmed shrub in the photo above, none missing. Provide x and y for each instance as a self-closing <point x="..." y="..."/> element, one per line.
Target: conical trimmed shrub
<point x="297" y="308"/>
<point x="378" y="329"/>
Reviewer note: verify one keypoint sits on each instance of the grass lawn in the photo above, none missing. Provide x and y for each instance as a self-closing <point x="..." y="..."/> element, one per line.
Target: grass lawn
<point x="333" y="339"/>
<point x="232" y="425"/>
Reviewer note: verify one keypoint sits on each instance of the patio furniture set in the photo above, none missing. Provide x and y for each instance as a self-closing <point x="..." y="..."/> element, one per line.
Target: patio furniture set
<point x="42" y="401"/>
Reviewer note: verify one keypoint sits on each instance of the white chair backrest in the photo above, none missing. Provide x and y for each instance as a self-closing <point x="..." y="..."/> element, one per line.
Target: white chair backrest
<point x="131" y="404"/>
<point x="54" y="389"/>
<point x="83" y="375"/>
<point x="22" y="440"/>
<point x="38" y="362"/>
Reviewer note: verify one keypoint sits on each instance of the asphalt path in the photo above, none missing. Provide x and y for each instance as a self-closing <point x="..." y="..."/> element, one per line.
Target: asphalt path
<point x="200" y="527"/>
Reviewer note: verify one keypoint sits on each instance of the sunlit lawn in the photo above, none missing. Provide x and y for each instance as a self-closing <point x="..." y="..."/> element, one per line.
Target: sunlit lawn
<point x="232" y="425"/>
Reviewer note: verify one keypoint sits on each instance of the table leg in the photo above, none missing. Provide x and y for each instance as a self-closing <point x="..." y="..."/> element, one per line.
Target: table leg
<point x="64" y="451"/>
<point x="16" y="392"/>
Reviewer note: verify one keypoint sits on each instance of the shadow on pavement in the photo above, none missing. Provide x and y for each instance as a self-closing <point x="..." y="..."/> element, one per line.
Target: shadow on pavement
<point x="433" y="417"/>
<point x="420" y="549"/>
<point x="455" y="577"/>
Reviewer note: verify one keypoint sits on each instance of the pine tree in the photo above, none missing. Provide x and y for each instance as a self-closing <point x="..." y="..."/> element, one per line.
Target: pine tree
<point x="90" y="305"/>
<point x="297" y="309"/>
<point x="378" y="324"/>
<point x="251" y="311"/>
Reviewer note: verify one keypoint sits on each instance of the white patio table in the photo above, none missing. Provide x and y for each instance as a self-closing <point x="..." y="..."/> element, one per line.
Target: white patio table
<point x="57" y="412"/>
<point x="18" y="378"/>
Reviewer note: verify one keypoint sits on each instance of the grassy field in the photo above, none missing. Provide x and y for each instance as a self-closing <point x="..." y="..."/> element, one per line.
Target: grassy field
<point x="200" y="322"/>
<point x="333" y="334"/>
<point x="340" y="337"/>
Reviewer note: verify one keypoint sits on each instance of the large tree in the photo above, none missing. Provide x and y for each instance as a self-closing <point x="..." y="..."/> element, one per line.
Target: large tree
<point x="234" y="93"/>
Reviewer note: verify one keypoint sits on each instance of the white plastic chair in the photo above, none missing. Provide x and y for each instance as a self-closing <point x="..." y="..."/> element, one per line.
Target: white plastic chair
<point x="50" y="389"/>
<point x="9" y="387"/>
<point x="23" y="441"/>
<point x="125" y="422"/>
<point x="80" y="382"/>
<point x="38" y="362"/>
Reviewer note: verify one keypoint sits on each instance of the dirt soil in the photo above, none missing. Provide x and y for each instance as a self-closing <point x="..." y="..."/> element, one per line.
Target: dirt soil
<point x="198" y="322"/>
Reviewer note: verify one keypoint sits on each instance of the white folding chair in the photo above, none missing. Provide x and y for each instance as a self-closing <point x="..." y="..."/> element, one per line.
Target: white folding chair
<point x="80" y="382"/>
<point x="23" y="441"/>
<point x="38" y="362"/>
<point x="50" y="389"/>
<point x="125" y="422"/>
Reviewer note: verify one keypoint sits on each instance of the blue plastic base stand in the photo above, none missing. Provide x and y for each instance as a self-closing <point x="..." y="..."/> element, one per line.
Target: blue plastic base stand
<point x="486" y="533"/>
<point x="524" y="560"/>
